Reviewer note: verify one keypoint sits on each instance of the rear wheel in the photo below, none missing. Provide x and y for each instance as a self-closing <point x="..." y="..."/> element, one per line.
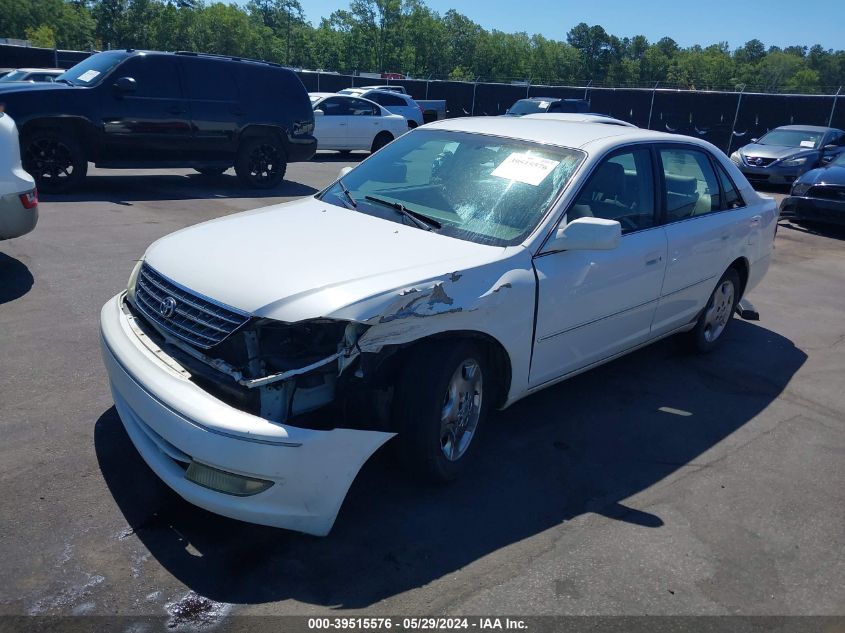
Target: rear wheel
<point x="55" y="159"/>
<point x="717" y="314"/>
<point x="411" y="124"/>
<point x="261" y="162"/>
<point x="439" y="405"/>
<point x="382" y="139"/>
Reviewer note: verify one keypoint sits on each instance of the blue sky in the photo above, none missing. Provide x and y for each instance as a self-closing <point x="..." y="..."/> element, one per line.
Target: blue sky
<point x="775" y="22"/>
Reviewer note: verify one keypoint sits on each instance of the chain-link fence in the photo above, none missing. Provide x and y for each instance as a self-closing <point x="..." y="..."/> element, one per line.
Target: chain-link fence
<point x="728" y="119"/>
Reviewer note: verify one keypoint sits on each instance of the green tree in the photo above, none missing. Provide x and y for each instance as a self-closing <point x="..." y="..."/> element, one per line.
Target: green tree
<point x="42" y="36"/>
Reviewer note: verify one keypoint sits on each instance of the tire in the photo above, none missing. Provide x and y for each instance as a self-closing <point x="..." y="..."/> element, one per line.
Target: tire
<point x="211" y="171"/>
<point x="381" y="139"/>
<point x="717" y="315"/>
<point x="55" y="159"/>
<point x="412" y="124"/>
<point x="439" y="407"/>
<point x="261" y="162"/>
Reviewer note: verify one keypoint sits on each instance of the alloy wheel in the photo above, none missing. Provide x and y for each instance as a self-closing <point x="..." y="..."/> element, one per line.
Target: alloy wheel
<point x="461" y="410"/>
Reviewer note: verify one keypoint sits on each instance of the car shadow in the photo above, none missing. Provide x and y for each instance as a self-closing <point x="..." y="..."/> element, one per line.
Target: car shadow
<point x="126" y="189"/>
<point x="834" y="231"/>
<point x="15" y="279"/>
<point x="583" y="446"/>
<point x="337" y="157"/>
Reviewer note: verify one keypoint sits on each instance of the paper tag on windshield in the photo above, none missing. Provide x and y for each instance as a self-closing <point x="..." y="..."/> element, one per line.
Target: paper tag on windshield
<point x="525" y="168"/>
<point x="88" y="75"/>
<point x="808" y="144"/>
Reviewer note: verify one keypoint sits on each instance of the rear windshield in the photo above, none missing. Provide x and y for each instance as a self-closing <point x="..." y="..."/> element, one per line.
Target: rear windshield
<point x="91" y="71"/>
<point x="792" y="138"/>
<point x="15" y="75"/>
<point x="529" y="106"/>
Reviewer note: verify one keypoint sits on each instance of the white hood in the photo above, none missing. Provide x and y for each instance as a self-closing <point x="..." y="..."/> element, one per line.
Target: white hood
<point x="308" y="259"/>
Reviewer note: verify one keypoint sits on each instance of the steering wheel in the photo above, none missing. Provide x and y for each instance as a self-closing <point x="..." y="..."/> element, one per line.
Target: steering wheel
<point x="629" y="222"/>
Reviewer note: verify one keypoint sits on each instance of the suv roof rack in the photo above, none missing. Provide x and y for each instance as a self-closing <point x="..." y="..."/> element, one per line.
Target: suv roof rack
<point x="229" y="57"/>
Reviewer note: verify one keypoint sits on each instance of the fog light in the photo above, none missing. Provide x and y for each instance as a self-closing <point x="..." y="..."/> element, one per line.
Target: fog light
<point x="228" y="483"/>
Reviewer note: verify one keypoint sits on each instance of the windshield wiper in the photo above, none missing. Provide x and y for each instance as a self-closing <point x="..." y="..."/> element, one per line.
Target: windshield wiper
<point x="64" y="81"/>
<point x="347" y="194"/>
<point x="421" y="220"/>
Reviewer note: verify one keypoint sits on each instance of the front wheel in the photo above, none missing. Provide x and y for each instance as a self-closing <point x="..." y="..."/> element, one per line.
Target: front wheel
<point x="439" y="405"/>
<point x="54" y="159"/>
<point x="261" y="162"/>
<point x="716" y="316"/>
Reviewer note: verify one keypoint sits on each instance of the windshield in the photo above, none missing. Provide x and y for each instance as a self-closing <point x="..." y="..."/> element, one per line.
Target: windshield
<point x="15" y="75"/>
<point x="479" y="188"/>
<point x="792" y="138"/>
<point x="90" y="72"/>
<point x="529" y="106"/>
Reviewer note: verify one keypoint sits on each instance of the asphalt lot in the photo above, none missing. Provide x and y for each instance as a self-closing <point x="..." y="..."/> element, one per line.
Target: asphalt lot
<point x="659" y="484"/>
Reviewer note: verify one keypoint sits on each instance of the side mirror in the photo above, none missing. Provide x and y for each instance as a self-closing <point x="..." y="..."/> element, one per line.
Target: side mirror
<point x="344" y="171"/>
<point x="831" y="148"/>
<point x="586" y="234"/>
<point x="125" y="86"/>
<point x="319" y="113"/>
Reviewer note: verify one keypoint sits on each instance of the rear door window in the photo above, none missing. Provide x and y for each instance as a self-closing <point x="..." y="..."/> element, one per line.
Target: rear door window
<point x="207" y="80"/>
<point x="387" y="100"/>
<point x="691" y="187"/>
<point x="730" y="196"/>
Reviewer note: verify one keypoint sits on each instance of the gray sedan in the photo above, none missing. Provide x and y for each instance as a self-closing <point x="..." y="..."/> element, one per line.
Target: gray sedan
<point x="786" y="152"/>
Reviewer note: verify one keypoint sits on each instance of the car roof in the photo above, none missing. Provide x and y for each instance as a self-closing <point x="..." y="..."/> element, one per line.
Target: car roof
<point x="549" y="99"/>
<point x="808" y="128"/>
<point x="323" y="95"/>
<point x="562" y="133"/>
<point x="584" y="117"/>
<point x="40" y="70"/>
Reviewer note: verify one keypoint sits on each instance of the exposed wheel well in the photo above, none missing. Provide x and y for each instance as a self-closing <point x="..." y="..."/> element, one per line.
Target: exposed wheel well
<point x="740" y="264"/>
<point x="67" y="125"/>
<point x="497" y="356"/>
<point x="255" y="131"/>
<point x="411" y="124"/>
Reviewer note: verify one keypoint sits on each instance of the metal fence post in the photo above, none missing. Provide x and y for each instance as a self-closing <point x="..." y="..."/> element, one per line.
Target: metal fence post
<point x="474" y="87"/>
<point x="318" y="81"/>
<point x="587" y="88"/>
<point x="527" y="86"/>
<point x="427" y="81"/>
<point x="833" y="108"/>
<point x="736" y="118"/>
<point x="651" y="109"/>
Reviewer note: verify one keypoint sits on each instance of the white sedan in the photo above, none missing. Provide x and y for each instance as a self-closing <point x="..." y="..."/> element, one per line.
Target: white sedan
<point x="258" y="360"/>
<point x="18" y="196"/>
<point x="347" y="123"/>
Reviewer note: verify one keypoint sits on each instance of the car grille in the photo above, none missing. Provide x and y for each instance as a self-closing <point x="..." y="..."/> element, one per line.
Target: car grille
<point x="829" y="192"/>
<point x="751" y="161"/>
<point x="190" y="317"/>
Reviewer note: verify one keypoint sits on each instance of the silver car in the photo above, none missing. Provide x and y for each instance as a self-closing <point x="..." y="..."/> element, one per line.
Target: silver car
<point x="18" y="196"/>
<point x="784" y="153"/>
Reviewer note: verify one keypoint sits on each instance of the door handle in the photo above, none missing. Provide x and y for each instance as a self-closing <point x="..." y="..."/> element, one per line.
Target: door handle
<point x="341" y="123"/>
<point x="653" y="258"/>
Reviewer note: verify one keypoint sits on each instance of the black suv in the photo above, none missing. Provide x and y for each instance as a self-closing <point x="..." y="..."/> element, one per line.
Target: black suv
<point x="533" y="105"/>
<point x="138" y="109"/>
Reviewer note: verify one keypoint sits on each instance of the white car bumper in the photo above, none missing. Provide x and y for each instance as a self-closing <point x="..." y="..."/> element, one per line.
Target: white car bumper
<point x="172" y="422"/>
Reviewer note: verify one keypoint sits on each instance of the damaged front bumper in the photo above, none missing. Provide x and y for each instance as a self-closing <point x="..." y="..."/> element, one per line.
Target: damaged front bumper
<point x="174" y="423"/>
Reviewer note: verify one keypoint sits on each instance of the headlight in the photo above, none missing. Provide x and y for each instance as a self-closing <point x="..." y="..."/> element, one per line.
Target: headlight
<point x="796" y="162"/>
<point x="133" y="279"/>
<point x="800" y="188"/>
<point x="735" y="157"/>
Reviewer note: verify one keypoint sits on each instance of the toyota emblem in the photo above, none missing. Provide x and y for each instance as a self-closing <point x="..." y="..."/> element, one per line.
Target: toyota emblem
<point x="167" y="307"/>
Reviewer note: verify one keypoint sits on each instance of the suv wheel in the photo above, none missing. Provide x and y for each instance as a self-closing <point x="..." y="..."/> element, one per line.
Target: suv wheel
<point x="261" y="162"/>
<point x="439" y="406"/>
<point x="54" y="159"/>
